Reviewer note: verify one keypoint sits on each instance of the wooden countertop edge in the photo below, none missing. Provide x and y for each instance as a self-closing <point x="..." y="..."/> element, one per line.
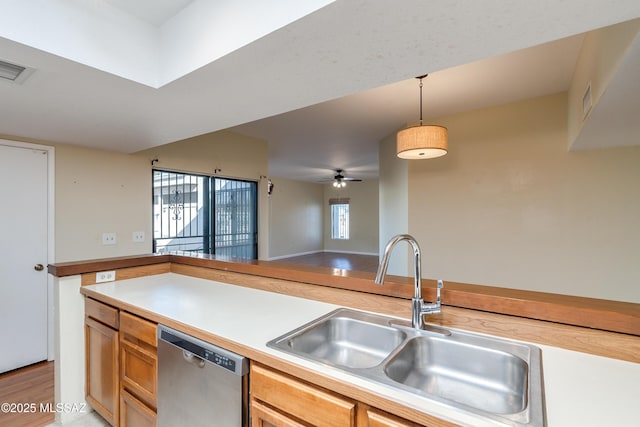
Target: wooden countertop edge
<point x="614" y="316"/>
<point x="105" y="264"/>
<point x="591" y="341"/>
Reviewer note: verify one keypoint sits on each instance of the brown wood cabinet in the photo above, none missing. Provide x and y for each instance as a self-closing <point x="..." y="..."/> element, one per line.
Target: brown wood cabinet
<point x="138" y="371"/>
<point x="264" y="416"/>
<point x="372" y="417"/>
<point x="101" y="359"/>
<point x="134" y="413"/>
<point x="280" y="400"/>
<point x="121" y="365"/>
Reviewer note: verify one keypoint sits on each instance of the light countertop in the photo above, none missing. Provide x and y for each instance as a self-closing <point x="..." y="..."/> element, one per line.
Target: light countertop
<point x="580" y="389"/>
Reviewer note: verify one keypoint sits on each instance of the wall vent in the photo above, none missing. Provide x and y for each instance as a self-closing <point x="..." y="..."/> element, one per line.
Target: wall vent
<point x="13" y="72"/>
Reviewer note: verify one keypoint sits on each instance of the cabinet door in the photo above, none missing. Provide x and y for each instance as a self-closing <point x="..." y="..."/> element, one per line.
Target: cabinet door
<point x="102" y="369"/>
<point x="264" y="416"/>
<point x="134" y="413"/>
<point x="301" y="400"/>
<point x="377" y="418"/>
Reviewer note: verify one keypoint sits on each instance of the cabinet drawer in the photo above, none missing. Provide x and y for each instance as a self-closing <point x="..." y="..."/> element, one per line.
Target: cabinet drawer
<point x="134" y="414"/>
<point x="138" y="330"/>
<point x="101" y="312"/>
<point x="306" y="402"/>
<point x="139" y="372"/>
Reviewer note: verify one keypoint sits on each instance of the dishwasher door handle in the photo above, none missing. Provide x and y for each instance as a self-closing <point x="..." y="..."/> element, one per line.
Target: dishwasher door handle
<point x="192" y="358"/>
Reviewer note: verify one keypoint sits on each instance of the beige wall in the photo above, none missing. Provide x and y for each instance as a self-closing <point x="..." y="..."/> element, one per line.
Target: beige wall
<point x="363" y="214"/>
<point x="393" y="203"/>
<point x="511" y="206"/>
<point x="295" y="218"/>
<point x="237" y="156"/>
<point x="96" y="192"/>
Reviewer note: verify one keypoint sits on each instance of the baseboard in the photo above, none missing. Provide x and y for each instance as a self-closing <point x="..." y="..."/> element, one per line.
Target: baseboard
<point x="293" y="255"/>
<point x="275" y="258"/>
<point x="350" y="252"/>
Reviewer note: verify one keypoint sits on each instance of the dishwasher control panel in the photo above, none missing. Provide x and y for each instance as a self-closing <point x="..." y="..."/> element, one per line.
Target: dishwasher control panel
<point x="221" y="360"/>
<point x="208" y="352"/>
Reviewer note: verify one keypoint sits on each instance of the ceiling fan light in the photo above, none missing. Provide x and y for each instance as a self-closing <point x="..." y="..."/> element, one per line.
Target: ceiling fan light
<point x="422" y="142"/>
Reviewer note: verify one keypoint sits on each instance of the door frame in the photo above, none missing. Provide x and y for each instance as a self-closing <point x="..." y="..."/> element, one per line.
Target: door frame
<point x="50" y="232"/>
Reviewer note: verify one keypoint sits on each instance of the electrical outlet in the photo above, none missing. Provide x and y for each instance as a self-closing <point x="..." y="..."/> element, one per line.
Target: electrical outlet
<point x="108" y="238"/>
<point x="105" y="276"/>
<point x="138" y="236"/>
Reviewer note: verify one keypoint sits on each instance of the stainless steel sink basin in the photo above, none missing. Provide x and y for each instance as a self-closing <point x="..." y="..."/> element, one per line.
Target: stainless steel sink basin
<point x="495" y="379"/>
<point x="353" y="341"/>
<point x="491" y="380"/>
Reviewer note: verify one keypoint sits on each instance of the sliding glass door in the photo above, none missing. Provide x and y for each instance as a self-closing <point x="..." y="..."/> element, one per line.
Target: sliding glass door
<point x="235" y="218"/>
<point x="201" y="214"/>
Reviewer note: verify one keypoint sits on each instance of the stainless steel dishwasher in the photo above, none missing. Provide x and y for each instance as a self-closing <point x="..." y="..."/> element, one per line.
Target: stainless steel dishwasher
<point x="200" y="384"/>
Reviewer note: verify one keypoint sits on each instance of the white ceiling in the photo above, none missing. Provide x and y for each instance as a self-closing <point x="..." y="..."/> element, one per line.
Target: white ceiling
<point x="329" y="85"/>
<point x="155" y="12"/>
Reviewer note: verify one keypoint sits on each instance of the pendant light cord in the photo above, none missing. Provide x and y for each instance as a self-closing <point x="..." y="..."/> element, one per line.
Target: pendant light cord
<point x="420" y="78"/>
<point x="421" y="101"/>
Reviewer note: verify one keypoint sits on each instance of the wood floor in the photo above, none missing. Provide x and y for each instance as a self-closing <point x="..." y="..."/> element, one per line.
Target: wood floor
<point x="26" y="396"/>
<point x="343" y="261"/>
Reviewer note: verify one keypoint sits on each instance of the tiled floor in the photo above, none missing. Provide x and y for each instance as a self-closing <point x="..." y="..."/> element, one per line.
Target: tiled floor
<point x="90" y="419"/>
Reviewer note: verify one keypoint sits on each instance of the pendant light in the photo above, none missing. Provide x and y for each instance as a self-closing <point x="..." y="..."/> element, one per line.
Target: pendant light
<point x="422" y="141"/>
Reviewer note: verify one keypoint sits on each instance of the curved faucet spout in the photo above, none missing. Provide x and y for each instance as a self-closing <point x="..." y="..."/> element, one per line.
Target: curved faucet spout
<point x="419" y="308"/>
<point x="384" y="264"/>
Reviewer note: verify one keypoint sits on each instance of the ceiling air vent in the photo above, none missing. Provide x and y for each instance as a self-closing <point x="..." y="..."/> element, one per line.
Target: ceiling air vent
<point x="13" y="72"/>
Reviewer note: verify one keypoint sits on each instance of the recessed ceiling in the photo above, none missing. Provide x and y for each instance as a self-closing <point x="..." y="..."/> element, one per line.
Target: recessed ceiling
<point x="120" y="82"/>
<point x="154" y="12"/>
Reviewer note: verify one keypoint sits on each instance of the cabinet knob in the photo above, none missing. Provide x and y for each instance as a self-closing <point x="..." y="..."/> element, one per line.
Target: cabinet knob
<point x="38" y="267"/>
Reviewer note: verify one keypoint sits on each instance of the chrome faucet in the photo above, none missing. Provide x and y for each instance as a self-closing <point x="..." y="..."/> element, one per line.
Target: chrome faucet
<point x="419" y="308"/>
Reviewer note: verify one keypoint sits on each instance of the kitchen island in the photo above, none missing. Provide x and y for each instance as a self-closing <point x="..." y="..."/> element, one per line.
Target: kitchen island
<point x="580" y="388"/>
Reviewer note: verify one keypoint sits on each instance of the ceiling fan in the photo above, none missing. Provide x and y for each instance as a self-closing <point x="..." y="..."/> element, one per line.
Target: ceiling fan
<point x="339" y="180"/>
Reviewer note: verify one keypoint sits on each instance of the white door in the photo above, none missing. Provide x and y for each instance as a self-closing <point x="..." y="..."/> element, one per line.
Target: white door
<point x="23" y="256"/>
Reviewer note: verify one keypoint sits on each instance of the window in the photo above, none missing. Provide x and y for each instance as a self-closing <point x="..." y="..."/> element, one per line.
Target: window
<point x="202" y="214"/>
<point x="339" y="219"/>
